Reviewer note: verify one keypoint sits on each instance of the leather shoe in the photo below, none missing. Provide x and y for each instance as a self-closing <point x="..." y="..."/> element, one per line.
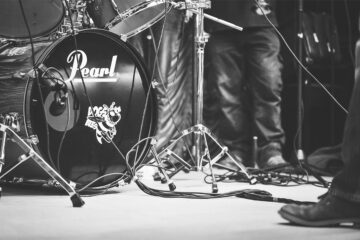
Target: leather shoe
<point x="330" y="211"/>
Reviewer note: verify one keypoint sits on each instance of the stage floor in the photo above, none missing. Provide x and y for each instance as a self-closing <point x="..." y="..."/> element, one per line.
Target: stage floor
<point x="128" y="213"/>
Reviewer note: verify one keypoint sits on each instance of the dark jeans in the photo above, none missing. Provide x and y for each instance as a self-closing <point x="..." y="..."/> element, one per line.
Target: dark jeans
<point x="347" y="183"/>
<point x="244" y="87"/>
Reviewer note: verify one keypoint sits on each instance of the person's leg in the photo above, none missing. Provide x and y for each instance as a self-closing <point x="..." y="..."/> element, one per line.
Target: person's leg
<point x="347" y="183"/>
<point x="264" y="72"/>
<point x="342" y="203"/>
<point x="225" y="75"/>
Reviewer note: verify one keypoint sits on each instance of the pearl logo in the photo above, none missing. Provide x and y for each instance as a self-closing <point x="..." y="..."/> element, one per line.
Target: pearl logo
<point x="79" y="60"/>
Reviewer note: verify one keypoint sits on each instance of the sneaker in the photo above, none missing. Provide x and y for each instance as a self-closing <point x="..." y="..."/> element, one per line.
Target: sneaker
<point x="272" y="162"/>
<point x="270" y="156"/>
<point x="329" y="211"/>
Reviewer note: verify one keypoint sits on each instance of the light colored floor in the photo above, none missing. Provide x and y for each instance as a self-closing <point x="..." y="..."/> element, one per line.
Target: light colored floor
<point x="128" y="213"/>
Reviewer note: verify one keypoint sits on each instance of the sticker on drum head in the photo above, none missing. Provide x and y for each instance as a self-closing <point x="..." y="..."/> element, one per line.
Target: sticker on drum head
<point x="103" y="120"/>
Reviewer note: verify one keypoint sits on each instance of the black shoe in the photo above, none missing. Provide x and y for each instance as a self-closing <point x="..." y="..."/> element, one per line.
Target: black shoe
<point x="330" y="211"/>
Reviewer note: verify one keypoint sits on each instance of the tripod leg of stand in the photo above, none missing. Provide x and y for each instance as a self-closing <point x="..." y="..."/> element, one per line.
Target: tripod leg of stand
<point x="30" y="153"/>
<point x="2" y="154"/>
<point x="214" y="184"/>
<point x="179" y="159"/>
<point x="176" y="171"/>
<point x="171" y="184"/>
<point x="305" y="166"/>
<point x="251" y="179"/>
<point x="2" y="150"/>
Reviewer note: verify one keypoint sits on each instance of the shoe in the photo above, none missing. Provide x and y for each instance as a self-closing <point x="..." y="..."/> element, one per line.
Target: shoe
<point x="330" y="211"/>
<point x="270" y="156"/>
<point x="272" y="162"/>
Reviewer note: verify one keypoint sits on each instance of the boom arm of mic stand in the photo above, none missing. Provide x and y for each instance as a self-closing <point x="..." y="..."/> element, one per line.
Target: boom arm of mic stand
<point x="223" y="22"/>
<point x="184" y="6"/>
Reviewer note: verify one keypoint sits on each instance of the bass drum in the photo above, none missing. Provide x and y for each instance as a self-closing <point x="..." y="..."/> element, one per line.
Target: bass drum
<point x="86" y="125"/>
<point x="43" y="17"/>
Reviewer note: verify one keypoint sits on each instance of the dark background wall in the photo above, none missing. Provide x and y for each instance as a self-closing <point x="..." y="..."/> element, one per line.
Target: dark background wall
<point x="323" y="121"/>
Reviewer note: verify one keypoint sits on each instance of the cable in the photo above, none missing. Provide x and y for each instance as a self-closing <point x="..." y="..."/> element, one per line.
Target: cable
<point x="299" y="62"/>
<point x="37" y="82"/>
<point x="284" y="176"/>
<point x="348" y="19"/>
<point x="253" y="194"/>
<point x="68" y="111"/>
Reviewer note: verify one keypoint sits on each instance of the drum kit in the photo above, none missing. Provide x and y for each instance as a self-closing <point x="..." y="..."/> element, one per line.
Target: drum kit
<point x="82" y="98"/>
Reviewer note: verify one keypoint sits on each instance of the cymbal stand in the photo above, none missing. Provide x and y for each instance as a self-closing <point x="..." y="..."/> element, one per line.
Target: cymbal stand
<point x="200" y="148"/>
<point x="7" y="132"/>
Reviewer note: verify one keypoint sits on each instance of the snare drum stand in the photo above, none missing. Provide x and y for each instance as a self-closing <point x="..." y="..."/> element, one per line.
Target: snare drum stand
<point x="10" y="122"/>
<point x="201" y="133"/>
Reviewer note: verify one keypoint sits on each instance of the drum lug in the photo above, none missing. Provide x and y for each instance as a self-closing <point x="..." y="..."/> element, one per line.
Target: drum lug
<point x="12" y="120"/>
<point x="123" y="37"/>
<point x="154" y="84"/>
<point x="33" y="139"/>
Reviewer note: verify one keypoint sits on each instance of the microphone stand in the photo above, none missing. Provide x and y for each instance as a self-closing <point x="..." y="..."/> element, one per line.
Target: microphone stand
<point x="299" y="148"/>
<point x="200" y="148"/>
<point x="300" y="155"/>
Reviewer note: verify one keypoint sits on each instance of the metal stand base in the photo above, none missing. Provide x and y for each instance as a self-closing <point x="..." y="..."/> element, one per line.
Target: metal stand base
<point x="30" y="153"/>
<point x="206" y="161"/>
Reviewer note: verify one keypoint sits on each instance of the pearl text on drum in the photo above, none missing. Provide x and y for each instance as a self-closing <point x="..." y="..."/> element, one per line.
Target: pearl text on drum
<point x="88" y="72"/>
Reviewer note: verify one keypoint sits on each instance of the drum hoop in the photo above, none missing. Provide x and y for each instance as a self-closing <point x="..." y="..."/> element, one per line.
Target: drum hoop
<point x="132" y="11"/>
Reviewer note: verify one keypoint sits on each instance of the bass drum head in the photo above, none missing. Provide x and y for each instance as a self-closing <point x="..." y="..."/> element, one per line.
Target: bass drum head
<point x="86" y="141"/>
<point x="43" y="17"/>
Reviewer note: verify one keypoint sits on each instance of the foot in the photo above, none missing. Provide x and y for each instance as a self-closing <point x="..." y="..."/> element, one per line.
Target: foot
<point x="329" y="211"/>
<point x="270" y="156"/>
<point x="272" y="162"/>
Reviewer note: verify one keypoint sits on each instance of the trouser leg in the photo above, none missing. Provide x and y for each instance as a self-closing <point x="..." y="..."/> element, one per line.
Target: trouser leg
<point x="230" y="115"/>
<point x="347" y="183"/>
<point x="264" y="73"/>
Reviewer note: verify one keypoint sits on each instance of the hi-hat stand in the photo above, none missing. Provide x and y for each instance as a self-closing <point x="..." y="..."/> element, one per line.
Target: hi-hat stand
<point x="200" y="150"/>
<point x="8" y="133"/>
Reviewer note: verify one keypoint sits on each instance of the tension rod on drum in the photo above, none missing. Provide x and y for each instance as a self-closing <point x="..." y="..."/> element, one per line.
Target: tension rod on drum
<point x="30" y="153"/>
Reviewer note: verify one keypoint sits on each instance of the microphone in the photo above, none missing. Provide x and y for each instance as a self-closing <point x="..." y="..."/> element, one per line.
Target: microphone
<point x="52" y="80"/>
<point x="58" y="106"/>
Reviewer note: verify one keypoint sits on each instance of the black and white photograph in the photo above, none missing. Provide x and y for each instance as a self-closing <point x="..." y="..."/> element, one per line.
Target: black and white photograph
<point x="180" y="119"/>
